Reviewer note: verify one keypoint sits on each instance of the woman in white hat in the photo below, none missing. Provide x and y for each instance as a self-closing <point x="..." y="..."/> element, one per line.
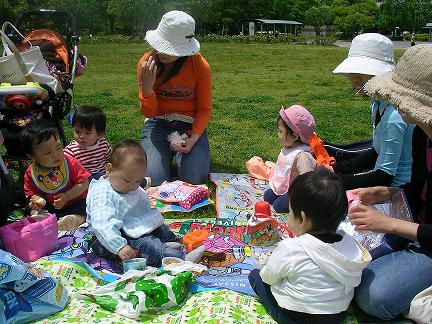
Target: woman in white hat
<point x="389" y="162"/>
<point x="398" y="272"/>
<point x="175" y="92"/>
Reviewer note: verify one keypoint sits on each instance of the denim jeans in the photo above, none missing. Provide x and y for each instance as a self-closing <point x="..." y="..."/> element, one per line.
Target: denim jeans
<point x="280" y="203"/>
<point x="282" y="315"/>
<point x="390" y="282"/>
<point x="152" y="246"/>
<point x="192" y="167"/>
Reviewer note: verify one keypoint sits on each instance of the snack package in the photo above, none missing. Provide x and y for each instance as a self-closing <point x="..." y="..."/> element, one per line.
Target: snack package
<point x="27" y="293"/>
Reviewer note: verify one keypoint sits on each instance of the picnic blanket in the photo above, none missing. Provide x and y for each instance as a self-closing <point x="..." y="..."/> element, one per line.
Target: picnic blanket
<point x="217" y="306"/>
<point x="228" y="255"/>
<point x="236" y="194"/>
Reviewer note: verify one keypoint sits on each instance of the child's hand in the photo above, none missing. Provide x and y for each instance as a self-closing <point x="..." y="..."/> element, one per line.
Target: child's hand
<point x="60" y="200"/>
<point x="126" y="253"/>
<point x="36" y="203"/>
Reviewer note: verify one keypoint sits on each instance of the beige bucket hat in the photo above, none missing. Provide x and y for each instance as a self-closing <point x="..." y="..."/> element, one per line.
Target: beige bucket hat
<point x="409" y="87"/>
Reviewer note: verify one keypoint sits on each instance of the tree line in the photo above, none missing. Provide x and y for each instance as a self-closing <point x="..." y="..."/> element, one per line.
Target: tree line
<point x="134" y="17"/>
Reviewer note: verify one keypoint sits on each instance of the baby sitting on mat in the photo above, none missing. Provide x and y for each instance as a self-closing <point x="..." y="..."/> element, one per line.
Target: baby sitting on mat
<point x="119" y="212"/>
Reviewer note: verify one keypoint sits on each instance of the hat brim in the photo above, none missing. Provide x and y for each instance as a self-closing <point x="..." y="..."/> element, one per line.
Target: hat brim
<point x="406" y="101"/>
<point x="171" y="48"/>
<point x="364" y="65"/>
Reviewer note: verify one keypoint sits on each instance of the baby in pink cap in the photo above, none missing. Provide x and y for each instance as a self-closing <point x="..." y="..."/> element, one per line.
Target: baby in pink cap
<point x="295" y="127"/>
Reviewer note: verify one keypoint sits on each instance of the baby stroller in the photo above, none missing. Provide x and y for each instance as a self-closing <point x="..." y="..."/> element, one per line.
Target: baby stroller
<point x="343" y="152"/>
<point x="54" y="32"/>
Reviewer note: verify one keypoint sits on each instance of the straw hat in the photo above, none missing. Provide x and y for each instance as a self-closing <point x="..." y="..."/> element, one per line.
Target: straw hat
<point x="370" y="53"/>
<point x="409" y="87"/>
<point x="300" y="120"/>
<point x="174" y="35"/>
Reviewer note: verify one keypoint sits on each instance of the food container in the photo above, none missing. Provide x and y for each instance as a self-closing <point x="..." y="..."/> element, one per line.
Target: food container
<point x="134" y="264"/>
<point x="170" y="260"/>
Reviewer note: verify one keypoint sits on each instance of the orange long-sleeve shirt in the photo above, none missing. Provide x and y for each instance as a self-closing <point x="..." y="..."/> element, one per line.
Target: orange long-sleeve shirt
<point x="188" y="93"/>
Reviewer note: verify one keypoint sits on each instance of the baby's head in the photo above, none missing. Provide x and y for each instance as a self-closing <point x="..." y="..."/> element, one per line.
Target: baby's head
<point x="370" y="54"/>
<point x="318" y="203"/>
<point x="88" y="123"/>
<point x="40" y="141"/>
<point x="295" y="125"/>
<point x="127" y="166"/>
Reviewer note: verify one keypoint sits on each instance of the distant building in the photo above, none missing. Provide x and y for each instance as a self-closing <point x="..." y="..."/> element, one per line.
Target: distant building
<point x="272" y="27"/>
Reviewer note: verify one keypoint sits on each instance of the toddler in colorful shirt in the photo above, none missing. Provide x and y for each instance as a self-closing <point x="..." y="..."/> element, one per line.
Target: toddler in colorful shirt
<point x="53" y="179"/>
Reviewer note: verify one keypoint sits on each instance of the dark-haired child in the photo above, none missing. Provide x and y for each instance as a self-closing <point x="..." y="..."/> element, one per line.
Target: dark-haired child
<point x="53" y="178"/>
<point x="89" y="145"/>
<point x="311" y="278"/>
<point x="120" y="214"/>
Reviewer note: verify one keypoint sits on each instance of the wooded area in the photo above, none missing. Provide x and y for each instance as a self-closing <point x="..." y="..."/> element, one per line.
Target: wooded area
<point x="133" y="17"/>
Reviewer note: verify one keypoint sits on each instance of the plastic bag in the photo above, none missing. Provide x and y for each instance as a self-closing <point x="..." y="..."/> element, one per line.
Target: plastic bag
<point x="27" y="293"/>
<point x="138" y="291"/>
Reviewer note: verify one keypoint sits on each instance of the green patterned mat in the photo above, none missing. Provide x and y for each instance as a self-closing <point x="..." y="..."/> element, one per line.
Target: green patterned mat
<point x="217" y="306"/>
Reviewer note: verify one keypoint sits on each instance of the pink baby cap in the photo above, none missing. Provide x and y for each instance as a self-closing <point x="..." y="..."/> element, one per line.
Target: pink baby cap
<point x="300" y="120"/>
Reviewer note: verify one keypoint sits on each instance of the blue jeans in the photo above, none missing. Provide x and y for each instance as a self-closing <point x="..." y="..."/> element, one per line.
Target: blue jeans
<point x="282" y="315"/>
<point x="152" y="246"/>
<point x="280" y="203"/>
<point x="192" y="167"/>
<point x="390" y="282"/>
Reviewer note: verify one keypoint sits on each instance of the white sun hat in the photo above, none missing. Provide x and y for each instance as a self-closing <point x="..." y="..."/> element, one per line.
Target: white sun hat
<point x="371" y="54"/>
<point x="174" y="35"/>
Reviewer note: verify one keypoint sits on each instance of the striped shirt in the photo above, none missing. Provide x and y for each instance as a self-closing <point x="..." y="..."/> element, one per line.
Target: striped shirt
<point x="92" y="158"/>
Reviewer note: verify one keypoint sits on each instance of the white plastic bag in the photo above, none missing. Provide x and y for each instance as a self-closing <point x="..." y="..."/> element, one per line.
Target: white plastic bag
<point x="21" y="67"/>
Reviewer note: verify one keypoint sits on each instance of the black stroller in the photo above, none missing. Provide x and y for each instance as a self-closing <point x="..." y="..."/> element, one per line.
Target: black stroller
<point x="54" y="31"/>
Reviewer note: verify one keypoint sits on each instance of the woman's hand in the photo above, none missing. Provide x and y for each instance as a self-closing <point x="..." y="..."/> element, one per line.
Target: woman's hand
<point x="185" y="148"/>
<point x="366" y="218"/>
<point x="148" y="76"/>
<point x="373" y="195"/>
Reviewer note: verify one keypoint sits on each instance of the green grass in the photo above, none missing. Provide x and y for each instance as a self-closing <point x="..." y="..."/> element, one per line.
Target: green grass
<point x="250" y="84"/>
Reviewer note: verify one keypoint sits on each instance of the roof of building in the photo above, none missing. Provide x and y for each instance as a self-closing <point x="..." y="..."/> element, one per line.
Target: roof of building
<point x="276" y="21"/>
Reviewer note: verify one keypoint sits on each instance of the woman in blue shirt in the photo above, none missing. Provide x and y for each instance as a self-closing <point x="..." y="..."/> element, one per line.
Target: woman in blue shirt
<point x="389" y="162"/>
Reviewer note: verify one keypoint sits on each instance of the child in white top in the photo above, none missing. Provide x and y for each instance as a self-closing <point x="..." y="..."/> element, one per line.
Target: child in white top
<point x="295" y="126"/>
<point x="89" y="145"/>
<point x="311" y="278"/>
<point x="120" y="214"/>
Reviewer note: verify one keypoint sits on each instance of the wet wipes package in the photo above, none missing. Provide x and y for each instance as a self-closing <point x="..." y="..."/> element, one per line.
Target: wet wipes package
<point x="27" y="293"/>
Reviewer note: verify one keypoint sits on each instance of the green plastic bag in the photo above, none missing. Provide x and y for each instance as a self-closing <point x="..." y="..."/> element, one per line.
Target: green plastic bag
<point x="138" y="291"/>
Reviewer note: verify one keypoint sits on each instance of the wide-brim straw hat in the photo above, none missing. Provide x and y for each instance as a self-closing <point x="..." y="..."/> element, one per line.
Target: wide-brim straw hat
<point x="370" y="54"/>
<point x="175" y="35"/>
<point x="409" y="87"/>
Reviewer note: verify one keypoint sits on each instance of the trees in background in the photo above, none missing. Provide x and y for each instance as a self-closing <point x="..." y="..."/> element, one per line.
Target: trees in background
<point x="134" y="17"/>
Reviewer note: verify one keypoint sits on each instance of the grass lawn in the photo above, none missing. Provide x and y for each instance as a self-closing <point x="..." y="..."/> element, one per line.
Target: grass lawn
<point x="250" y="84"/>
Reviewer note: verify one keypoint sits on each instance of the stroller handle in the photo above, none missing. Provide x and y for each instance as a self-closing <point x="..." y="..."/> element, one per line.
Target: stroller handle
<point x="47" y="13"/>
